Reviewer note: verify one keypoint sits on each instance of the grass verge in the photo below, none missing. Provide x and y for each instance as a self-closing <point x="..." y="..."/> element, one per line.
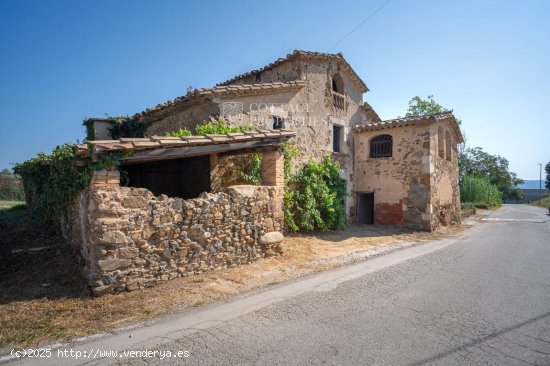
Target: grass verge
<point x="544" y="202"/>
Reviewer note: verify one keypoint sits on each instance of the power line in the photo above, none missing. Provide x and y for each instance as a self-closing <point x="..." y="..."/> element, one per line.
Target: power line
<point x="360" y="24"/>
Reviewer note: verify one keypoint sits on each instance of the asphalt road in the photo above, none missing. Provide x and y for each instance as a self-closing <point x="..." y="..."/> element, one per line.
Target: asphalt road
<point x="483" y="300"/>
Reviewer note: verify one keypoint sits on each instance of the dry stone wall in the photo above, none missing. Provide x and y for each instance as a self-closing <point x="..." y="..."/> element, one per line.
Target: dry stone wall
<point x="130" y="239"/>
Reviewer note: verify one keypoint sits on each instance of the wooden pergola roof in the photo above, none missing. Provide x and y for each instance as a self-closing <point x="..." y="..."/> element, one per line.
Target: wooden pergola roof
<point x="164" y="147"/>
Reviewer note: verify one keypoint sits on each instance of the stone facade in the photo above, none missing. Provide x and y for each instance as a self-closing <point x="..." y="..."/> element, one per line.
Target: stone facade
<point x="415" y="187"/>
<point x="130" y="239"/>
<point x="311" y="110"/>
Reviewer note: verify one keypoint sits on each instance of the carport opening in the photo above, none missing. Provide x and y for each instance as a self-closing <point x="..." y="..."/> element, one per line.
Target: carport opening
<point x="185" y="178"/>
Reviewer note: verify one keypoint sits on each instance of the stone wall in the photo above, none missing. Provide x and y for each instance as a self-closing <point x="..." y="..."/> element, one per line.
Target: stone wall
<point x="445" y="190"/>
<point x="130" y="239"/>
<point x="309" y="111"/>
<point x="400" y="183"/>
<point x="414" y="187"/>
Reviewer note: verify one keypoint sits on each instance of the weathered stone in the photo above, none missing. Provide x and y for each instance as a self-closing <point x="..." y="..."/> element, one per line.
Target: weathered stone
<point x="271" y="238"/>
<point x="113" y="237"/>
<point x="270" y="253"/>
<point x="135" y="201"/>
<point x="155" y="243"/>
<point x="103" y="290"/>
<point x="242" y="191"/>
<point x="107" y="265"/>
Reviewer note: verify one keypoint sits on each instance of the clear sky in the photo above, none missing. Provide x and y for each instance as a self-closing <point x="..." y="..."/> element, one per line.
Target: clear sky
<point x="62" y="61"/>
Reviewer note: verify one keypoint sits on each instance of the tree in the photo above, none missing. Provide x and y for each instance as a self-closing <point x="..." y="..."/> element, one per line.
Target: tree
<point x="547" y="181"/>
<point x="419" y="106"/>
<point x="11" y="187"/>
<point x="479" y="163"/>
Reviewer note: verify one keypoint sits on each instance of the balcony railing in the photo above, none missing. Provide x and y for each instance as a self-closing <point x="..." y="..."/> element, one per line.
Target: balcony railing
<point x="339" y="101"/>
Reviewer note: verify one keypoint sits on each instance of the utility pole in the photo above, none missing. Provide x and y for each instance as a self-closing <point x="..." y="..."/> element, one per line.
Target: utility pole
<point x="540" y="182"/>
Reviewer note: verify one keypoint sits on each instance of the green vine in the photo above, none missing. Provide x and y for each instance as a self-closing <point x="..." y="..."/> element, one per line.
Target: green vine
<point x="253" y="171"/>
<point x="53" y="181"/>
<point x="314" y="197"/>
<point x="126" y="127"/>
<point x="212" y="127"/>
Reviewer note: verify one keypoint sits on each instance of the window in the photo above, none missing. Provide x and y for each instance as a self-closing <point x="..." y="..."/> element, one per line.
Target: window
<point x="336" y="136"/>
<point x="381" y="146"/>
<point x="278" y="123"/>
<point x="337" y="84"/>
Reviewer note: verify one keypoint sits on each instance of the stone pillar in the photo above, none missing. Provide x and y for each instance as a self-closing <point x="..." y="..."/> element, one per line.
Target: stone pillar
<point x="215" y="176"/>
<point x="107" y="178"/>
<point x="273" y="169"/>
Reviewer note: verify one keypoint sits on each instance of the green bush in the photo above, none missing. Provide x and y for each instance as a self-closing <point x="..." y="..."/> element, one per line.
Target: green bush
<point x="218" y="127"/>
<point x="479" y="190"/>
<point x="52" y="181"/>
<point x="126" y="127"/>
<point x="179" y="133"/>
<point x="316" y="201"/>
<point x="212" y="127"/>
<point x="253" y="173"/>
<point x="11" y="187"/>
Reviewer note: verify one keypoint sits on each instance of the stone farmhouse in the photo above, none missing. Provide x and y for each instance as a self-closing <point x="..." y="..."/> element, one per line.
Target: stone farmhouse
<point x="184" y="212"/>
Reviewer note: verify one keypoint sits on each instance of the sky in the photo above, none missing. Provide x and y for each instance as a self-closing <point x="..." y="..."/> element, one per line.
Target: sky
<point x="63" y="61"/>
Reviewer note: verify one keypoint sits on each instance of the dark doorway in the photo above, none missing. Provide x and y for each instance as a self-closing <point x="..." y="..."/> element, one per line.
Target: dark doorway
<point x="365" y="208"/>
<point x="184" y="178"/>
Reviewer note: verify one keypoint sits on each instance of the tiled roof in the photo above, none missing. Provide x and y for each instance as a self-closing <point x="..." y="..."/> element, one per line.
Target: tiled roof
<point x="305" y="55"/>
<point x="204" y="93"/>
<point x="370" y="112"/>
<point x="408" y="121"/>
<point x="98" y="147"/>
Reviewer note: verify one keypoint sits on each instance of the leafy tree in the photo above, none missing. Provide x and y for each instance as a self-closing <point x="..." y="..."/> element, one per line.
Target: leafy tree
<point x="547" y="170"/>
<point x="495" y="168"/>
<point x="127" y="127"/>
<point x="473" y="161"/>
<point x="419" y="106"/>
<point x="11" y="187"/>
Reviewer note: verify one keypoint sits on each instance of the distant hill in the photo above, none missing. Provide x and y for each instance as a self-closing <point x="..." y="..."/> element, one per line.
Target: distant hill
<point x="531" y="184"/>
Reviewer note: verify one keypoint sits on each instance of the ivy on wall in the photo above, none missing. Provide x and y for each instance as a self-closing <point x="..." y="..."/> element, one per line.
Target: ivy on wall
<point x="314" y="197"/>
<point x="127" y="127"/>
<point x="51" y="182"/>
<point x="121" y="127"/>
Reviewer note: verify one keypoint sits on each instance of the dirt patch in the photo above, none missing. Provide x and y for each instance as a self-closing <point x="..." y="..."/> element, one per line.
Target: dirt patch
<point x="45" y="299"/>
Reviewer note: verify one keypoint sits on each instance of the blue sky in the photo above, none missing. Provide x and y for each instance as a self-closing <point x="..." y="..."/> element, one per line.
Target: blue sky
<point x="66" y="60"/>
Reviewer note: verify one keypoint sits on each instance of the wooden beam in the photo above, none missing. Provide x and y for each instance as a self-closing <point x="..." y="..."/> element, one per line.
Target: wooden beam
<point x="189" y="151"/>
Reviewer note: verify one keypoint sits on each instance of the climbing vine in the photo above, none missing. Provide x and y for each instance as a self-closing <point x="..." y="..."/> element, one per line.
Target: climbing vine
<point x="212" y="127"/>
<point x="126" y="127"/>
<point x="120" y="127"/>
<point x="314" y="199"/>
<point x="252" y="173"/>
<point x="52" y="181"/>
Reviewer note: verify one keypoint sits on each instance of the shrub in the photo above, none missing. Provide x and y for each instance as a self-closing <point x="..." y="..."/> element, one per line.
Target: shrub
<point x="218" y="127"/>
<point x="127" y="127"/>
<point x="317" y="200"/>
<point x="480" y="190"/>
<point x="212" y="127"/>
<point x="52" y="181"/>
<point x="253" y="172"/>
<point x="179" y="133"/>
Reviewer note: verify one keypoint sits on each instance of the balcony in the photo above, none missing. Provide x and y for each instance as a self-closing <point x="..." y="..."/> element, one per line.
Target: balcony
<point x="338" y="101"/>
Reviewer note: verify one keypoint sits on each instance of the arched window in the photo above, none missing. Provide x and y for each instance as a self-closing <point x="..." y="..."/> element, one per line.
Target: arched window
<point x="448" y="145"/>
<point x="440" y="143"/>
<point x="381" y="146"/>
<point x="337" y="84"/>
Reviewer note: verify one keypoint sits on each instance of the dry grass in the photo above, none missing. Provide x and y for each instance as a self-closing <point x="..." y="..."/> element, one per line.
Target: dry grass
<point x="31" y="314"/>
